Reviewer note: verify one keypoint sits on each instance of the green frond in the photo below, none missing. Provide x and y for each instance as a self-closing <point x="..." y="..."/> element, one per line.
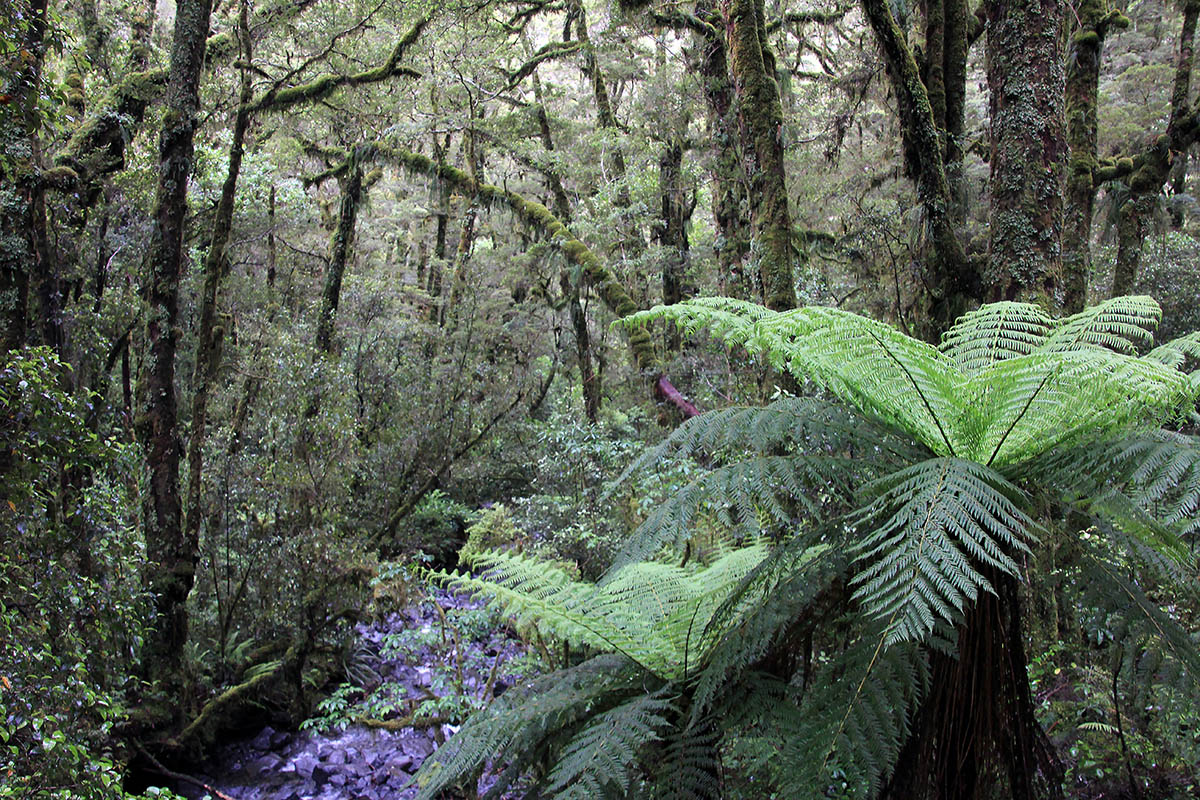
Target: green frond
<point x="655" y="614"/>
<point x="689" y="764"/>
<point x="761" y="613"/>
<point x="755" y="491"/>
<point x="1031" y="404"/>
<point x="1154" y="647"/>
<point x="928" y="527"/>
<point x="1122" y="324"/>
<point x="725" y="318"/>
<point x="805" y="423"/>
<point x="995" y="332"/>
<point x="525" y="716"/>
<point x="1176" y="352"/>
<point x="883" y="373"/>
<point x="848" y="726"/>
<point x="599" y="760"/>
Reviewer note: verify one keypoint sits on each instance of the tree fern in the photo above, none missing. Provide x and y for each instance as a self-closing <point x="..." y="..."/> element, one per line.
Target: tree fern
<point x="892" y="508"/>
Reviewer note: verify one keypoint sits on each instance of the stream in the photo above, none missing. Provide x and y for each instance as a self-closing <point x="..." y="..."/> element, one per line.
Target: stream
<point x="413" y="655"/>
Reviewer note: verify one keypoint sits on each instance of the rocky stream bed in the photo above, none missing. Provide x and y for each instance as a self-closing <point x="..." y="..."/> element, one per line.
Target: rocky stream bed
<point x="422" y="654"/>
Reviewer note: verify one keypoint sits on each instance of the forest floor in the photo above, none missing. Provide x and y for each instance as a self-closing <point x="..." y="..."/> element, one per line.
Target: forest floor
<point x="414" y="675"/>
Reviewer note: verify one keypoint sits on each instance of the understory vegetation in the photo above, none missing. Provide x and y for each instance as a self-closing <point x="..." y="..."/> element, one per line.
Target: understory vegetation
<point x="741" y="399"/>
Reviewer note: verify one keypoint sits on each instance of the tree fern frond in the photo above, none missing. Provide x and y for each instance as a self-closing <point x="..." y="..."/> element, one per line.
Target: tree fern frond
<point x="655" y="614"/>
<point x="755" y="490"/>
<point x="927" y="528"/>
<point x="1155" y="647"/>
<point x="1032" y="404"/>
<point x="995" y="332"/>
<point x="1176" y="352"/>
<point x="806" y="423"/>
<point x="850" y="723"/>
<point x="598" y="761"/>
<point x="873" y="367"/>
<point x="1121" y="324"/>
<point x="525" y="715"/>
<point x="689" y="765"/>
<point x="781" y="592"/>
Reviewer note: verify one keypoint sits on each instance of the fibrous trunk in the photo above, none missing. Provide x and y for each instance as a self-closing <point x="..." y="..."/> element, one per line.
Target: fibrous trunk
<point x="975" y="736"/>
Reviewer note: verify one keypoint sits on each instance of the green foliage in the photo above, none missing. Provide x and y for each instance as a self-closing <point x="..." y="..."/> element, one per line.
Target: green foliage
<point x="70" y="588"/>
<point x="877" y="520"/>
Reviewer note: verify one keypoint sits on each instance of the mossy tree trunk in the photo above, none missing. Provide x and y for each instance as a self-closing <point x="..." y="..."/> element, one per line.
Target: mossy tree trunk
<point x="675" y="213"/>
<point x="1082" y="89"/>
<point x="171" y="554"/>
<point x="1153" y="167"/>
<point x="728" y="179"/>
<point x="1029" y="149"/>
<point x="210" y="335"/>
<point x="760" y="114"/>
<point x="339" y="253"/>
<point x="952" y="282"/>
<point x="569" y="282"/>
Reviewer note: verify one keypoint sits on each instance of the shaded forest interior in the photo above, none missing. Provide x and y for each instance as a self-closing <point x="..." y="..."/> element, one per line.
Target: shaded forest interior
<point x="810" y="389"/>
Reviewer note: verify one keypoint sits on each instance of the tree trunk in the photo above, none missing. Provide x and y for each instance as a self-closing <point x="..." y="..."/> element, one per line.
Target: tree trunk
<point x="339" y="252"/>
<point x="952" y="283"/>
<point x="172" y="555"/>
<point x="1083" y="80"/>
<point x="728" y="180"/>
<point x="975" y="736"/>
<point x="589" y="378"/>
<point x="209" y="336"/>
<point x="1153" y="166"/>
<point x="1029" y="150"/>
<point x="676" y="211"/>
<point x="752" y="67"/>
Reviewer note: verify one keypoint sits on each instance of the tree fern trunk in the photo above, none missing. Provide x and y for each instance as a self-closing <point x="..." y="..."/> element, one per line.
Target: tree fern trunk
<point x="975" y="736"/>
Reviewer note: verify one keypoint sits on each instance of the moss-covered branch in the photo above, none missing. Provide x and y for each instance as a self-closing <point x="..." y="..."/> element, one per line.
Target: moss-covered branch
<point x="550" y="52"/>
<point x="97" y="148"/>
<point x="280" y="99"/>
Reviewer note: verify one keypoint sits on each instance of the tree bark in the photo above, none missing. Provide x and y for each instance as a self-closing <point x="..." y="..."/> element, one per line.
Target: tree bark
<point x="1082" y="91"/>
<point x="1029" y="150"/>
<point x="752" y="67"/>
<point x="975" y="736"/>
<point x="1153" y="167"/>
<point x="728" y="180"/>
<point x="209" y="336"/>
<point x="676" y="211"/>
<point x="339" y="252"/>
<point x="171" y="554"/>
<point x="951" y="282"/>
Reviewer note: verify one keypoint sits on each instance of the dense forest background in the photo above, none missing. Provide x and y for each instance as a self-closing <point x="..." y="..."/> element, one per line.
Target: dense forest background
<point x="298" y="298"/>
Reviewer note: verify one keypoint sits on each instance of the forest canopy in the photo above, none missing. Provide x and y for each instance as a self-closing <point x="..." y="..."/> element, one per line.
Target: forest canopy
<point x="755" y="398"/>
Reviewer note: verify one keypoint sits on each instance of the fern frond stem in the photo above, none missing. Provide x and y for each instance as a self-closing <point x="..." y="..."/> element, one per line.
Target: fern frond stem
<point x="920" y="394"/>
<point x="1134" y="791"/>
<point x="687" y="640"/>
<point x="1018" y="417"/>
